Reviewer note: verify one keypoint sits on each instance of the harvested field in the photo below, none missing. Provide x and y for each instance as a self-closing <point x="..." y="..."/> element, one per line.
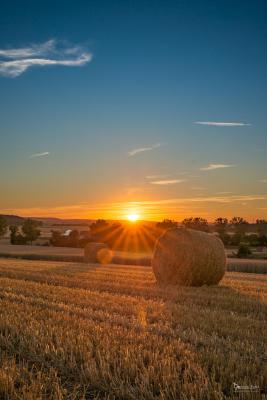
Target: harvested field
<point x="75" y="331"/>
<point x="120" y="257"/>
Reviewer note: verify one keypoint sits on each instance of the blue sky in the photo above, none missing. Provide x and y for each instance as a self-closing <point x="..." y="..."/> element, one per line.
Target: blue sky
<point x="138" y="75"/>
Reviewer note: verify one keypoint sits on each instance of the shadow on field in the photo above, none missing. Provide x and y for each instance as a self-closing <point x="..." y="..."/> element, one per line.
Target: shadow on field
<point x="221" y="297"/>
<point x="224" y="330"/>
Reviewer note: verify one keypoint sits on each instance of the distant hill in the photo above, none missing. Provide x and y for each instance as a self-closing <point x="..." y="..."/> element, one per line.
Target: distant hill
<point x="13" y="219"/>
<point x="58" y="221"/>
<point x="16" y="220"/>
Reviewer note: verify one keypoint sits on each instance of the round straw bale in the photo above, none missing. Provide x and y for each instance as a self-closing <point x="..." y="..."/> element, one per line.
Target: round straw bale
<point x="97" y="253"/>
<point x="188" y="257"/>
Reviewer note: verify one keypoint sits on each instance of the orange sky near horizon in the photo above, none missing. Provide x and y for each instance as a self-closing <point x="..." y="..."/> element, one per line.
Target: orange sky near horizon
<point x="250" y="207"/>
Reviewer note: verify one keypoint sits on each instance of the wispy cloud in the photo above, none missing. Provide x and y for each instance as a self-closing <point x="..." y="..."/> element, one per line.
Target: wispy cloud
<point x="15" y="61"/>
<point x="143" y="149"/>
<point x="152" y="208"/>
<point x="159" y="176"/>
<point x="210" y="199"/>
<point x="44" y="154"/>
<point x="168" y="181"/>
<point x="216" y="123"/>
<point x="211" y="167"/>
<point x="263" y="180"/>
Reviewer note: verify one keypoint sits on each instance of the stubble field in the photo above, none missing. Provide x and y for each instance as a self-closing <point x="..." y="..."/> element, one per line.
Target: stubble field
<point x="73" y="331"/>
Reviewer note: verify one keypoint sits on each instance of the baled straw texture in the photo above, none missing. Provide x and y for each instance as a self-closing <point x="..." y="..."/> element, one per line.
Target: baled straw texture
<point x="188" y="257"/>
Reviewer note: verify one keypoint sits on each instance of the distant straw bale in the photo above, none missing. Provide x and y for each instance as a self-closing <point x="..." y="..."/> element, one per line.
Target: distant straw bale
<point x="188" y="257"/>
<point x="97" y="253"/>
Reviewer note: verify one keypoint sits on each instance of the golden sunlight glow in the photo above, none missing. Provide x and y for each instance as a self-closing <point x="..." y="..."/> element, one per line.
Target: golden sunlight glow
<point x="133" y="217"/>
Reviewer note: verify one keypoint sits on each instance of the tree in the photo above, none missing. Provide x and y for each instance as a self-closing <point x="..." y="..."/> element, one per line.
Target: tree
<point x="99" y="225"/>
<point x="239" y="224"/>
<point x="252" y="239"/>
<point x="236" y="239"/>
<point x="243" y="251"/>
<point x="99" y="230"/>
<point x="221" y="224"/>
<point x="55" y="238"/>
<point x="225" y="238"/>
<point x="198" y="224"/>
<point x="30" y="230"/>
<point x="15" y="236"/>
<point x="261" y="226"/>
<point x="3" y="226"/>
<point x="262" y="240"/>
<point x="73" y="239"/>
<point x="167" y="224"/>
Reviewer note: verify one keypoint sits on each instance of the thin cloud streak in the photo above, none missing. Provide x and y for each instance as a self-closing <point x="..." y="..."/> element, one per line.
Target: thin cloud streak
<point x="210" y="199"/>
<point x="214" y="123"/>
<point x="33" y="50"/>
<point x="159" y="176"/>
<point x="263" y="180"/>
<point x="44" y="154"/>
<point x="144" y="149"/>
<point x="13" y="62"/>
<point x="211" y="167"/>
<point x="168" y="181"/>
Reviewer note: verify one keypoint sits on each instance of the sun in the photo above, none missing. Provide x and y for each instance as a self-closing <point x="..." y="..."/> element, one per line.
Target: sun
<point x="133" y="217"/>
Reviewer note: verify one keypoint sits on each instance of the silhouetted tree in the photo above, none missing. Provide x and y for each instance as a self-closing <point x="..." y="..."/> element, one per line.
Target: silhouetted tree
<point x="239" y="224"/>
<point x="15" y="236"/>
<point x="221" y="224"/>
<point x="73" y="238"/>
<point x="225" y="238"/>
<point x="199" y="224"/>
<point x="99" y="230"/>
<point x="30" y="230"/>
<point x="243" y="251"/>
<point x="3" y="226"/>
<point x="55" y="238"/>
<point x="262" y="240"/>
<point x="252" y="239"/>
<point x="236" y="239"/>
<point x="261" y="225"/>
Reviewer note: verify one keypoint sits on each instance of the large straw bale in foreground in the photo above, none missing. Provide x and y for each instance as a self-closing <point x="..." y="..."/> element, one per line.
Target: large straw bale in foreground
<point x="188" y="257"/>
<point x="97" y="253"/>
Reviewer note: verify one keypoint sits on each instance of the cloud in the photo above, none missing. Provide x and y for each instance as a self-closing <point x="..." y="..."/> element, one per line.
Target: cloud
<point x="263" y="180"/>
<point x="211" y="167"/>
<point x="168" y="182"/>
<point x="210" y="199"/>
<point x="159" y="176"/>
<point x="44" y="154"/>
<point x="143" y="149"/>
<point x="13" y="62"/>
<point x="150" y="207"/>
<point x="213" y="123"/>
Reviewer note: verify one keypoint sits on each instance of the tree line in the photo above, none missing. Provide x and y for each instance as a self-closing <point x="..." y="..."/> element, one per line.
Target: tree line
<point x="141" y="236"/>
<point x="29" y="231"/>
